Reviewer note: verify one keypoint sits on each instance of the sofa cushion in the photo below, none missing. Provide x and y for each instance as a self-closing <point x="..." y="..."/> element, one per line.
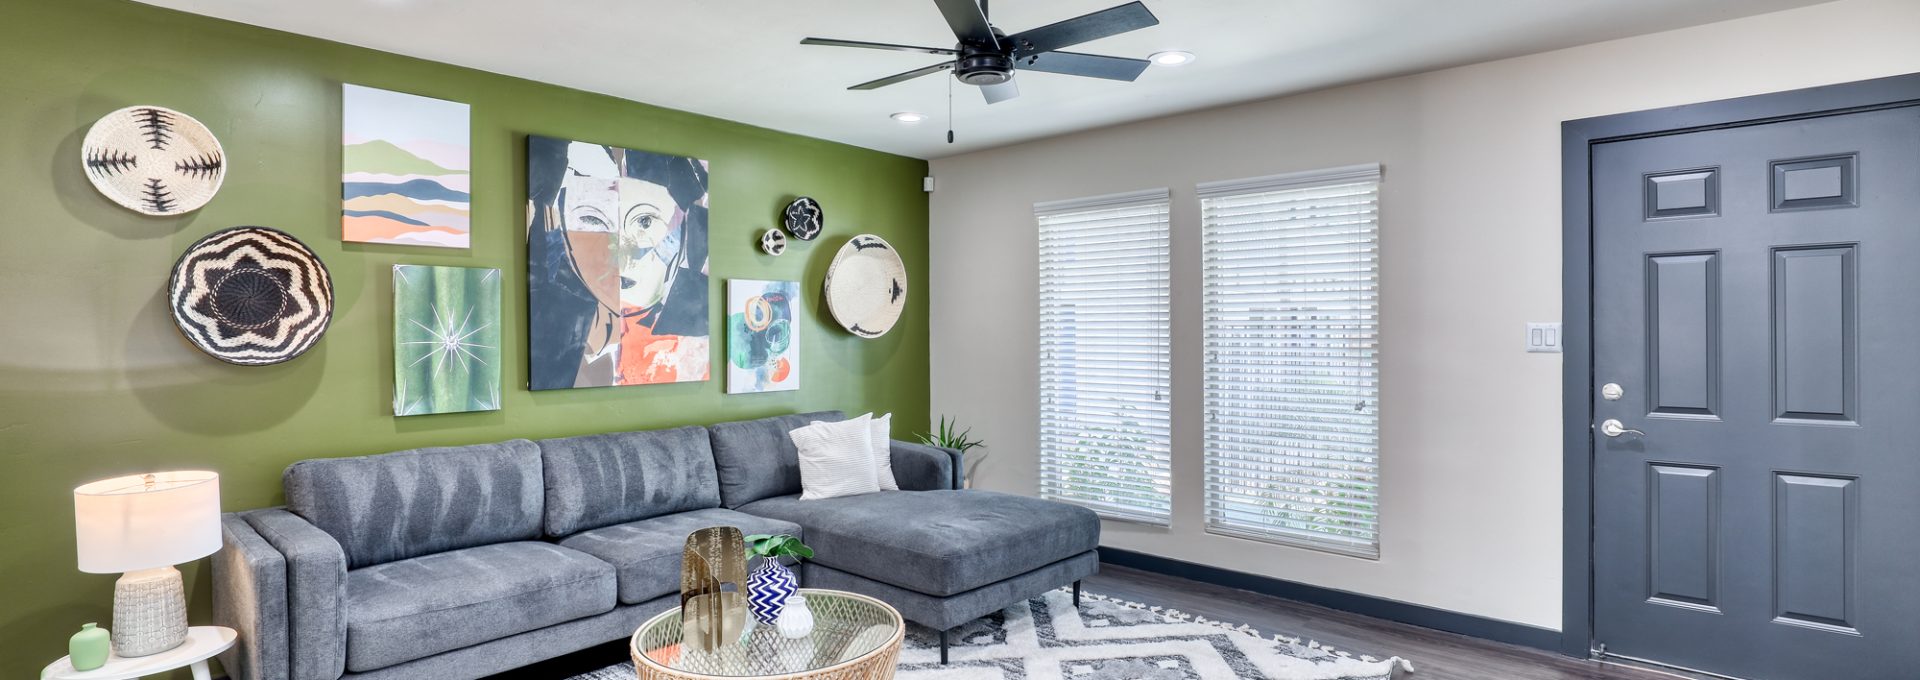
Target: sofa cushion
<point x="756" y="459"/>
<point x="937" y="542"/>
<point x="605" y="479"/>
<point x="646" y="554"/>
<point x="419" y="607"/>
<point x="399" y="505"/>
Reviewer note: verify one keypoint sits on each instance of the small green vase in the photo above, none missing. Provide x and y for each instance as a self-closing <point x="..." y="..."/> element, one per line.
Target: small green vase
<point x="88" y="648"/>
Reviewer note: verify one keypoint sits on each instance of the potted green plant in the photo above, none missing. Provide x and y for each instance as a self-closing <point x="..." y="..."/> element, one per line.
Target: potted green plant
<point x="949" y="435"/>
<point x="772" y="583"/>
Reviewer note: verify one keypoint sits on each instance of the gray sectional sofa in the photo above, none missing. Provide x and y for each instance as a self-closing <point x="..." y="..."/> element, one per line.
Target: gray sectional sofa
<point x="457" y="563"/>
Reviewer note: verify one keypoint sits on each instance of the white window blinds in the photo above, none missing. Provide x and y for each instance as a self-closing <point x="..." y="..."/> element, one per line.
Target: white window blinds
<point x="1104" y="438"/>
<point x="1291" y="379"/>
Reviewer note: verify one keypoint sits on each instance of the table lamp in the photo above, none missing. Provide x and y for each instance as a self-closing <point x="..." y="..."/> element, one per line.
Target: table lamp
<point x="140" y="526"/>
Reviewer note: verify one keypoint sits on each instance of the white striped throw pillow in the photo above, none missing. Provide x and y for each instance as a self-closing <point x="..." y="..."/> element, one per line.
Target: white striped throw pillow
<point x="836" y="459"/>
<point x="883" y="452"/>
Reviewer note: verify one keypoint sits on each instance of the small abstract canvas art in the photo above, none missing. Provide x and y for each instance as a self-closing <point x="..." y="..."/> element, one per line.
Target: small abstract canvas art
<point x="763" y="343"/>
<point x="616" y="266"/>
<point x="403" y="164"/>
<point x="446" y="339"/>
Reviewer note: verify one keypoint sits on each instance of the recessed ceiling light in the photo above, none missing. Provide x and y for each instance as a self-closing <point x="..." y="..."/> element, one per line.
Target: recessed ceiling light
<point x="1171" y="57"/>
<point x="908" y="117"/>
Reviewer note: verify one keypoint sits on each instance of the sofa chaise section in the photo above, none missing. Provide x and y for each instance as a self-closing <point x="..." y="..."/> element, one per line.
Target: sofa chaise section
<point x="945" y="557"/>
<point x="941" y="555"/>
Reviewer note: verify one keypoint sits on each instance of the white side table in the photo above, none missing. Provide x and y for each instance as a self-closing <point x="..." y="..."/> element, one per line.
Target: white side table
<point x="202" y="643"/>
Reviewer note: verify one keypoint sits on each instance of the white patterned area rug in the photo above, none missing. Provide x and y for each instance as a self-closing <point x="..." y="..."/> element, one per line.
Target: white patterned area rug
<point x="1046" y="638"/>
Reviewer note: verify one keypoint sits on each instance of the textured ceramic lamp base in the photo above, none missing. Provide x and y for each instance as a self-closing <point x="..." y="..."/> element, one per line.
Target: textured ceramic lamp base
<point x="149" y="612"/>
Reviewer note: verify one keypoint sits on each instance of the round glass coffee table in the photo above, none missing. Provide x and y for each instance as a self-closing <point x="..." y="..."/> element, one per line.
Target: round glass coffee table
<point x="854" y="637"/>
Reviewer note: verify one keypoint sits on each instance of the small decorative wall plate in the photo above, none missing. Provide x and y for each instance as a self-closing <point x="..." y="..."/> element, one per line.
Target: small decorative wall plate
<point x="867" y="286"/>
<point x="804" y="218"/>
<point x="774" y="242"/>
<point x="153" y="160"/>
<point x="251" y="296"/>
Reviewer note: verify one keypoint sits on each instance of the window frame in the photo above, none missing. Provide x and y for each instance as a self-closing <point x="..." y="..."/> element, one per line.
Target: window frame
<point x="1213" y="520"/>
<point x="1159" y="513"/>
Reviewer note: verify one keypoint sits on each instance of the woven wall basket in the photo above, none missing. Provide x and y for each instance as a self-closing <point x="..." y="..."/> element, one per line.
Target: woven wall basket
<point x="251" y="296"/>
<point x="153" y="160"/>
<point x="804" y="218"/>
<point x="867" y="286"/>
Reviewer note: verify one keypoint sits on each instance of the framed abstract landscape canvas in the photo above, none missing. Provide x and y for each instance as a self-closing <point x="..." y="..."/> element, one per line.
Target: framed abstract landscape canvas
<point x="403" y="165"/>
<point x="616" y="266"/>
<point x="446" y="339"/>
<point x="763" y="342"/>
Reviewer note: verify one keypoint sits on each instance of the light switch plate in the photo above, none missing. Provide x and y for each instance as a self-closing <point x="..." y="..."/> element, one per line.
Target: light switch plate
<point x="1543" y="337"/>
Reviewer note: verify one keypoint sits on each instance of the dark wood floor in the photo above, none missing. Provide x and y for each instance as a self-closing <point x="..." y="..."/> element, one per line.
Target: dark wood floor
<point x="1435" y="655"/>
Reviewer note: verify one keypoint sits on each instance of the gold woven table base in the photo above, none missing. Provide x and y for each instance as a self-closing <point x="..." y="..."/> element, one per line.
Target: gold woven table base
<point x="854" y="638"/>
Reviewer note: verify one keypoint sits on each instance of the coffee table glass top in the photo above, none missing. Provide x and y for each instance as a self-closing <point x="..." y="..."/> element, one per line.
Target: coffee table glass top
<point x="846" y="628"/>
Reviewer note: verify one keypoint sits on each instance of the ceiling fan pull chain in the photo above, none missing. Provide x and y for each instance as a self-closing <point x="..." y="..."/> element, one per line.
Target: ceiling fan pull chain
<point x="950" y="109"/>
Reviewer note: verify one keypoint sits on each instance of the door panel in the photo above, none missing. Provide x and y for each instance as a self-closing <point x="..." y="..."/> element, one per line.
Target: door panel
<point x="1756" y="296"/>
<point x="1813" y="333"/>
<point x="1683" y="292"/>
<point x="1813" y="550"/>
<point x="1683" y="546"/>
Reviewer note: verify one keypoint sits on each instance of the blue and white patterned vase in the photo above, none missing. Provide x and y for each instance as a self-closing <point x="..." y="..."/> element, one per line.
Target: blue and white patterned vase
<point x="768" y="588"/>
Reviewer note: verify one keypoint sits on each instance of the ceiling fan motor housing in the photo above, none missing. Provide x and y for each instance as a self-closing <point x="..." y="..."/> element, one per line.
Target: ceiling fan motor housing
<point x="983" y="68"/>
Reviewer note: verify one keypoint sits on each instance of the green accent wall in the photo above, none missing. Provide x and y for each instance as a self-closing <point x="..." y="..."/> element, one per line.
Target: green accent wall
<point x="96" y="382"/>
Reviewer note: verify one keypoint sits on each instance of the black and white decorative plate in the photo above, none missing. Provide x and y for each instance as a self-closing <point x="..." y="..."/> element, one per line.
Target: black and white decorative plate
<point x="867" y="286"/>
<point x="804" y="219"/>
<point x="773" y="242"/>
<point x="153" y="160"/>
<point x="251" y="296"/>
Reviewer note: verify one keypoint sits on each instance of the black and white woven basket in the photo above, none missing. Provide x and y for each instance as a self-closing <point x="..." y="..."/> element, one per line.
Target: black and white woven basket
<point x="251" y="296"/>
<point x="154" y="160"/>
<point x="867" y="286"/>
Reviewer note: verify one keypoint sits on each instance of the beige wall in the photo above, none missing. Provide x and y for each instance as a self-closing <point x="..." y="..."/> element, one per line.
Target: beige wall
<point x="1470" y="253"/>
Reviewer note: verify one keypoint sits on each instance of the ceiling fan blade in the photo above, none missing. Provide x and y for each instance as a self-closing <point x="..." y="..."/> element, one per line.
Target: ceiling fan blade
<point x="1089" y="65"/>
<point x="830" y="42"/>
<point x="902" y="77"/>
<point x="999" y="93"/>
<point x="1112" y="21"/>
<point x="969" y="22"/>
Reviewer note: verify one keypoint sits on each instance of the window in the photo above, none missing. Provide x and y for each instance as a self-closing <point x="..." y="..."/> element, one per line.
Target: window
<point x="1104" y="439"/>
<point x="1292" y="378"/>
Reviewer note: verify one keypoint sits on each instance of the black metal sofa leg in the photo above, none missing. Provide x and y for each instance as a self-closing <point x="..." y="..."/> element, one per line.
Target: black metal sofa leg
<point x="943" y="634"/>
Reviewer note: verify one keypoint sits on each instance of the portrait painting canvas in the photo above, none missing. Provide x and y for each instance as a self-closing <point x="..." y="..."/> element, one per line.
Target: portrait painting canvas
<point x="616" y="266"/>
<point x="403" y="167"/>
<point x="446" y="339"/>
<point x="763" y="339"/>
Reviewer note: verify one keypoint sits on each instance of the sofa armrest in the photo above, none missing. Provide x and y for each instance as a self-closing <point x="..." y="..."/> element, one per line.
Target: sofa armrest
<point x="918" y="467"/>
<point x="250" y="596"/>
<point x="316" y="593"/>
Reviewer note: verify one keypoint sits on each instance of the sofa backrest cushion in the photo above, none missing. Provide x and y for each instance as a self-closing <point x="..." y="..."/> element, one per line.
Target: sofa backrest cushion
<point x="606" y="479"/>
<point x="757" y="460"/>
<point x="395" y="506"/>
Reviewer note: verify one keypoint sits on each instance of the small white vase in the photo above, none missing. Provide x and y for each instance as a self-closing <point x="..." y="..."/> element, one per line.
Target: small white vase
<point x="796" y="620"/>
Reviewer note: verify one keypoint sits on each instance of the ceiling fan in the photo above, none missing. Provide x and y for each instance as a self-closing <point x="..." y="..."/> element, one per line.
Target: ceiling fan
<point x="986" y="57"/>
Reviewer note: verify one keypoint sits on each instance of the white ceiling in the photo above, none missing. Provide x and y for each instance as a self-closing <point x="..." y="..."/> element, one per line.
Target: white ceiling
<point x="741" y="59"/>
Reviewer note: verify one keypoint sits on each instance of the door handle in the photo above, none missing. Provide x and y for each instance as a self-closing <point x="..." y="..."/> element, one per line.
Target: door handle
<point x="1613" y="428"/>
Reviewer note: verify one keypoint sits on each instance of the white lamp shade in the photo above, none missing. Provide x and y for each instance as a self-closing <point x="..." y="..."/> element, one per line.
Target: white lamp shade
<point x="146" y="521"/>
